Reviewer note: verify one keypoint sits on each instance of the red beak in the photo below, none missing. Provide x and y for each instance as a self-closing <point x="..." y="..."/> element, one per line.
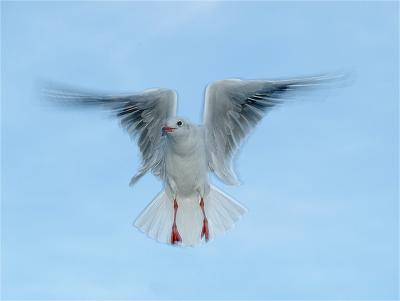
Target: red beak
<point x="167" y="129"/>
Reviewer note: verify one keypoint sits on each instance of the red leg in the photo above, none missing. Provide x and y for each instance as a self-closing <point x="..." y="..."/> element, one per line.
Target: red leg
<point x="175" y="237"/>
<point x="204" y="230"/>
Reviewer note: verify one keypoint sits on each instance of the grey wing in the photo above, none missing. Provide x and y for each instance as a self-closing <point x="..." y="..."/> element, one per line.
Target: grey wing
<point x="233" y="108"/>
<point x="142" y="115"/>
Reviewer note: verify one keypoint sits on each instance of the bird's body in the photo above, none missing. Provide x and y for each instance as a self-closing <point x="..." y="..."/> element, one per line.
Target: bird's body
<point x="189" y="209"/>
<point x="186" y="166"/>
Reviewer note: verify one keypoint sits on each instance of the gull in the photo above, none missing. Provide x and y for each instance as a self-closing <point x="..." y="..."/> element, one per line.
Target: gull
<point x="190" y="210"/>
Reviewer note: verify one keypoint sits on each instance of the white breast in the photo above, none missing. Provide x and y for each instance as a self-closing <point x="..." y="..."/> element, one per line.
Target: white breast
<point x="187" y="172"/>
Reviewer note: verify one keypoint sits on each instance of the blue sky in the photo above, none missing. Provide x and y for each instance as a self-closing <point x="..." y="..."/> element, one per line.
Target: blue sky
<point x="319" y="178"/>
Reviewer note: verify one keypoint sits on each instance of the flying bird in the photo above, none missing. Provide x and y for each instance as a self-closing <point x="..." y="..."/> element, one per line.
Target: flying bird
<point x="190" y="210"/>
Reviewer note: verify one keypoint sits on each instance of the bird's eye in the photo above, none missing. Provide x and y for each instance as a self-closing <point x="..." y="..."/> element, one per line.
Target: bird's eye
<point x="179" y="123"/>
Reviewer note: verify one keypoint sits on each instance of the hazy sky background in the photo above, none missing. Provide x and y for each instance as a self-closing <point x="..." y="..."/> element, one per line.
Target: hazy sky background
<point x="319" y="178"/>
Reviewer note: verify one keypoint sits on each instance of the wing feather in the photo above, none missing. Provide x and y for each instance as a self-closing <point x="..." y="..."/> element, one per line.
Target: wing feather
<point x="234" y="107"/>
<point x="142" y="115"/>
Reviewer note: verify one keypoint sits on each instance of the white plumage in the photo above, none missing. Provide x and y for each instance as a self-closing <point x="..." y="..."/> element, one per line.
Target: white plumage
<point x="189" y="210"/>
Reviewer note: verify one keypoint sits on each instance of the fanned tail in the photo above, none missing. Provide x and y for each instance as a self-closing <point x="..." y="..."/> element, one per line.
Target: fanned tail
<point x="221" y="212"/>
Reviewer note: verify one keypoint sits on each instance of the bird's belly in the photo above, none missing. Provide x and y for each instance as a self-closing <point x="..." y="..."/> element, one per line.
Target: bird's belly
<point x="187" y="176"/>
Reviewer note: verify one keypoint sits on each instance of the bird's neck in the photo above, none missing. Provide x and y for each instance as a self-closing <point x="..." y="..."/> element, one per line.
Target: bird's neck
<point x="185" y="145"/>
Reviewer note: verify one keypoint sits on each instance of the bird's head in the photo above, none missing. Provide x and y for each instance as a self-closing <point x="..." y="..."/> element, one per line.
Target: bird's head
<point x="176" y="127"/>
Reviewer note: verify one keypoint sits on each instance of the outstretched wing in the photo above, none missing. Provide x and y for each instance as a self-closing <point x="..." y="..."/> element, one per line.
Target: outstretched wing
<point x="142" y="115"/>
<point x="232" y="109"/>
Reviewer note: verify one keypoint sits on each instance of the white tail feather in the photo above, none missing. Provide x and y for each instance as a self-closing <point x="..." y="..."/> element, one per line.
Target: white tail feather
<point x="221" y="211"/>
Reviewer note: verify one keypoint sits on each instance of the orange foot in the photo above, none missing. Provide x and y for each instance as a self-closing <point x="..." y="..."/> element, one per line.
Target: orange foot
<point x="204" y="230"/>
<point x="175" y="237"/>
